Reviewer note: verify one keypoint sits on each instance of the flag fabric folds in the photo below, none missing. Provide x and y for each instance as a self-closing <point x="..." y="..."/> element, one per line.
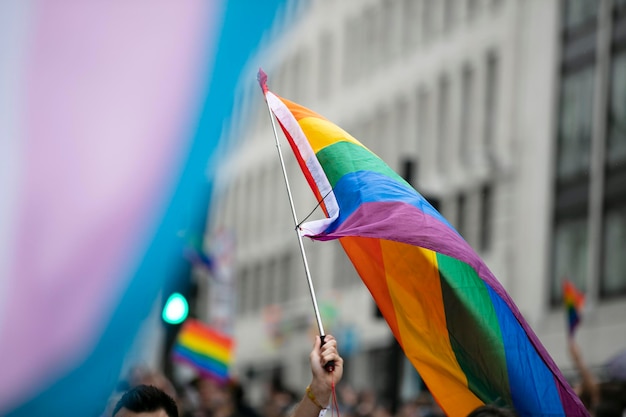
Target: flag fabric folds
<point x="453" y="319"/>
<point x="206" y="349"/>
<point x="574" y="301"/>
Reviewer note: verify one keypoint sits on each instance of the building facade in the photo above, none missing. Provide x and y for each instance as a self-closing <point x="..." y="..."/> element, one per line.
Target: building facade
<point x="508" y="115"/>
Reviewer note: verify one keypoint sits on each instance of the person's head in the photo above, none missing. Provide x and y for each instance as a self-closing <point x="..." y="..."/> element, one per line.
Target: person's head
<point x="145" y="401"/>
<point x="492" y="411"/>
<point x="211" y="393"/>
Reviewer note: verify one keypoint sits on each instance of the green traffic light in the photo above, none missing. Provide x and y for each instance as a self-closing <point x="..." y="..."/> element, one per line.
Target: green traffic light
<point x="176" y="309"/>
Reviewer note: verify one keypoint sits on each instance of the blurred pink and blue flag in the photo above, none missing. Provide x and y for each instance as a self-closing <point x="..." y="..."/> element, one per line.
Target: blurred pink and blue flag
<point x="109" y="114"/>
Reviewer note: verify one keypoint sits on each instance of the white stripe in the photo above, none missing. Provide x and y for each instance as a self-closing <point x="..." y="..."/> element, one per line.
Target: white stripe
<point x="290" y="123"/>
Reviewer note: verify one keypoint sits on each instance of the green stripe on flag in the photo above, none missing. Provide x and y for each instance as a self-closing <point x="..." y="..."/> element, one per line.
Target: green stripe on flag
<point x="474" y="331"/>
<point x="342" y="158"/>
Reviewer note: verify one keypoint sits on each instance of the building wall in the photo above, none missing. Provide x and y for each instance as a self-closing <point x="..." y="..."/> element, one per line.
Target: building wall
<point x="467" y="92"/>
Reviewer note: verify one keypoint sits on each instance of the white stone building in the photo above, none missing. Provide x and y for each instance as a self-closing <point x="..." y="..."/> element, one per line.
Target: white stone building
<point x="508" y="115"/>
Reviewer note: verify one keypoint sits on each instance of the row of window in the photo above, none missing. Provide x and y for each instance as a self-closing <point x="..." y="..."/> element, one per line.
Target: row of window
<point x="388" y="30"/>
<point x="268" y="282"/>
<point x="264" y="187"/>
<point x="277" y="279"/>
<point x="380" y="31"/>
<point x="450" y="121"/>
<point x="376" y="37"/>
<point x="590" y="174"/>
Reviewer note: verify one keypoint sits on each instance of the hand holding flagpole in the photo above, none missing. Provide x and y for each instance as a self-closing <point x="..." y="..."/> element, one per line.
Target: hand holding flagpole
<point x="262" y="78"/>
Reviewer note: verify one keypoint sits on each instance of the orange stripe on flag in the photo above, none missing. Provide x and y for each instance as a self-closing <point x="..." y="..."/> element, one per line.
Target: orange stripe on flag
<point x="200" y="330"/>
<point x="415" y="288"/>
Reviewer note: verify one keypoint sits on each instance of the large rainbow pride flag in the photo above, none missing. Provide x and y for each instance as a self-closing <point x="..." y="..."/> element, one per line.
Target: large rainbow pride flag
<point x="453" y="319"/>
<point x="110" y="112"/>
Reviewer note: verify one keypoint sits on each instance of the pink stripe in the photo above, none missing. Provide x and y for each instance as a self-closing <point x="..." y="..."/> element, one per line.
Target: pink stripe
<point x="113" y="94"/>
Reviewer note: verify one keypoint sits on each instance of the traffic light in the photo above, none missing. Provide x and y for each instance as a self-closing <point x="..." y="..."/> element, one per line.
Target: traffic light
<point x="176" y="309"/>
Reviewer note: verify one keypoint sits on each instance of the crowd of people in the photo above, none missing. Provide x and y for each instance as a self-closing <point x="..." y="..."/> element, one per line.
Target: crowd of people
<point x="151" y="394"/>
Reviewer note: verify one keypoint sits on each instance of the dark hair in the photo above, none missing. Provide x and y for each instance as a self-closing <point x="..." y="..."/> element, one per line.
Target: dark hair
<point x="145" y="398"/>
<point x="491" y="411"/>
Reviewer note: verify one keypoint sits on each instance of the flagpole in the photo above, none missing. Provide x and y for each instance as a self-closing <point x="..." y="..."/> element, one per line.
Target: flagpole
<point x="320" y="326"/>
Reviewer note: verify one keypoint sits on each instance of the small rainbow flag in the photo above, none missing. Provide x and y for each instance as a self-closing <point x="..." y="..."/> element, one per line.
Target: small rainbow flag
<point x="574" y="301"/>
<point x="209" y="351"/>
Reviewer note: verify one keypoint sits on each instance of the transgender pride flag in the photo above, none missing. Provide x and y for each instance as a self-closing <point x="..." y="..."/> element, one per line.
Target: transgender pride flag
<point x="109" y="113"/>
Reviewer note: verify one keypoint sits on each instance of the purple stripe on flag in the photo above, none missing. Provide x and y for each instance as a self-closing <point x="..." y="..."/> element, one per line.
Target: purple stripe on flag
<point x="388" y="220"/>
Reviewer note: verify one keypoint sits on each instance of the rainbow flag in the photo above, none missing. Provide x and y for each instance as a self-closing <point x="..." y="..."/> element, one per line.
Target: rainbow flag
<point x="453" y="319"/>
<point x="574" y="301"/>
<point x="110" y="112"/>
<point x="209" y="351"/>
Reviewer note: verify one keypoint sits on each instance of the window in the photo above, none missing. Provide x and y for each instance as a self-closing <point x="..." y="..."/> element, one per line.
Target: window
<point x="301" y="79"/>
<point x="486" y="217"/>
<point x="575" y="135"/>
<point x="326" y="65"/>
<point x="350" y="51"/>
<point x="575" y="123"/>
<point x="570" y="256"/>
<point x="382" y="128"/>
<point x="424" y="126"/>
<point x="386" y="27"/>
<point x="393" y="24"/>
<point x="346" y="275"/>
<point x="578" y="13"/>
<point x="272" y="283"/>
<point x="380" y="378"/>
<point x="495" y="4"/>
<point x="467" y="97"/>
<point x="401" y="127"/>
<point x="244" y="291"/>
<point x="371" y="39"/>
<point x="443" y="113"/>
<point x="429" y="26"/>
<point x="614" y="262"/>
<point x="410" y="30"/>
<point x="286" y="275"/>
<point x="472" y="9"/>
<point x="461" y="208"/>
<point x="449" y="15"/>
<point x="255" y="288"/>
<point x="613" y="277"/>
<point x="616" y="141"/>
<point x="491" y="88"/>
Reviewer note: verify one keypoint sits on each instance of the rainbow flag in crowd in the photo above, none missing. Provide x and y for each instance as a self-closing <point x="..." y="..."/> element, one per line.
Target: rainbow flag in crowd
<point x="454" y="320"/>
<point x="206" y="349"/>
<point x="574" y="301"/>
<point x="110" y="112"/>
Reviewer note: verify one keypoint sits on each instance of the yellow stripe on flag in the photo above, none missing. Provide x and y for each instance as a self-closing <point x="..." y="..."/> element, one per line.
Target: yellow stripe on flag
<point x="205" y="347"/>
